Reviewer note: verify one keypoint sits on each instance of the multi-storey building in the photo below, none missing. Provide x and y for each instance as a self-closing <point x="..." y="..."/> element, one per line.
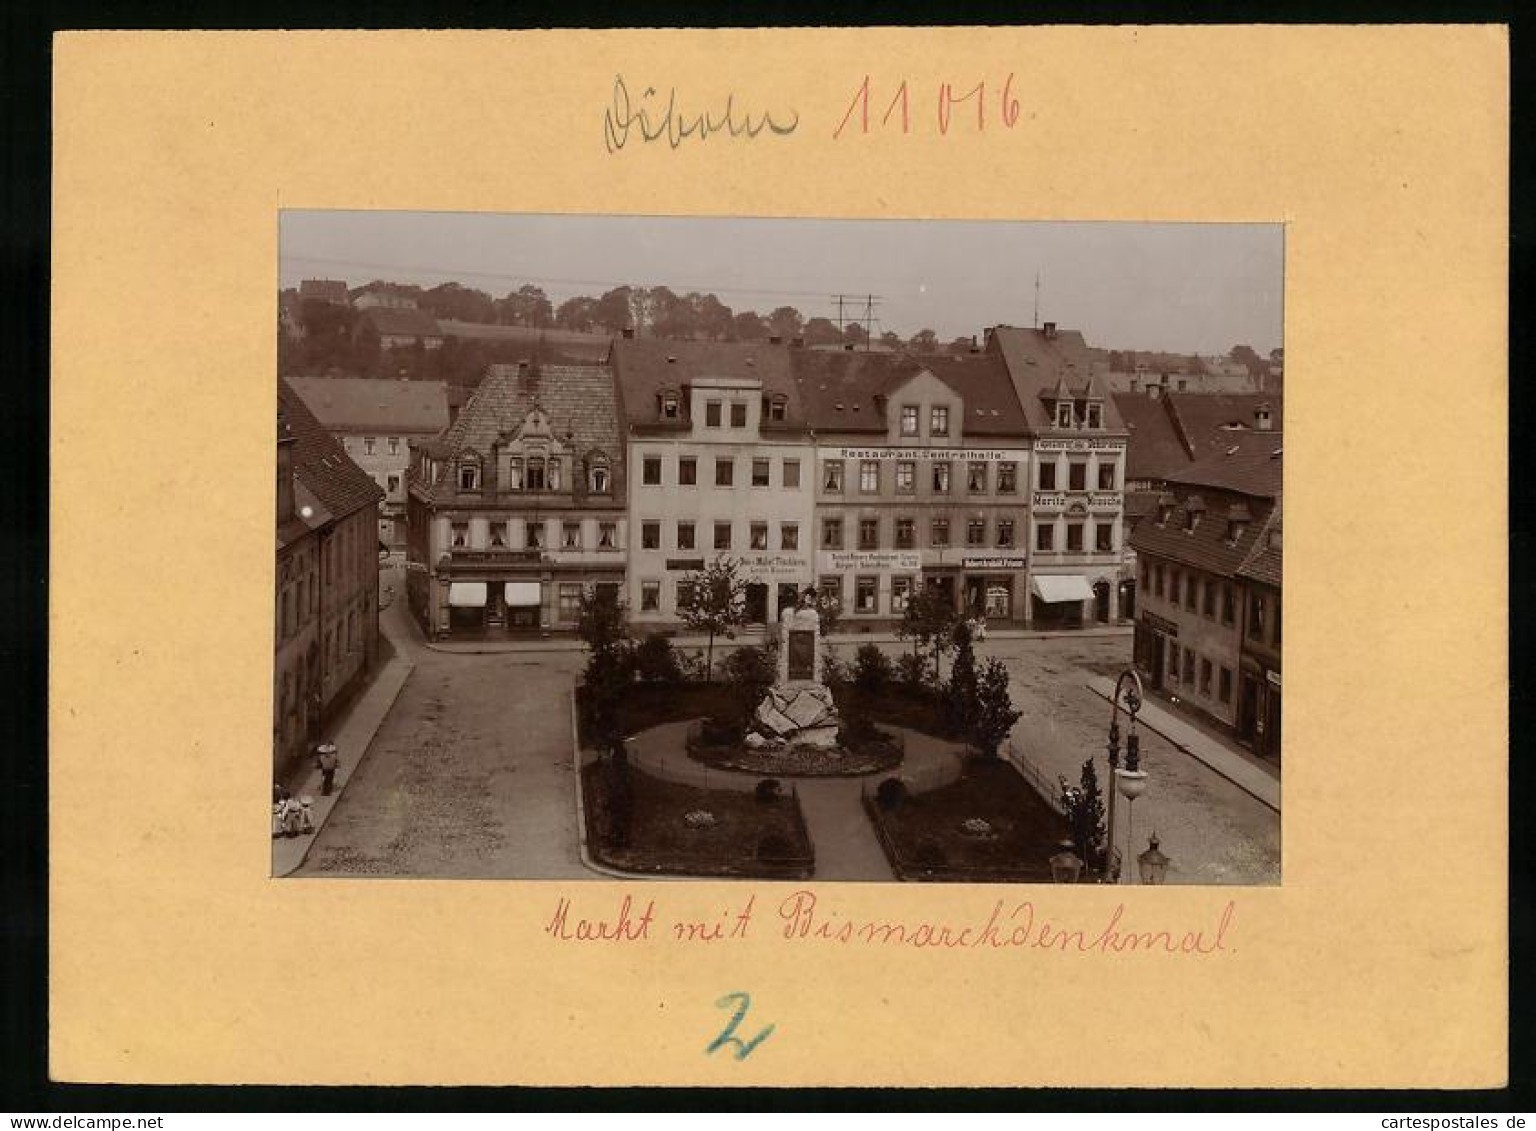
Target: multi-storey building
<point x="327" y="586"/>
<point x="1208" y="618"/>
<point x="921" y="478"/>
<point x="376" y="421"/>
<point x="520" y="505"/>
<point x="1077" y="569"/>
<point x="719" y="465"/>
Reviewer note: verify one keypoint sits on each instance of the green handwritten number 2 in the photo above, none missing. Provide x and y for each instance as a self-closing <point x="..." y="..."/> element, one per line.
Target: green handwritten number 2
<point x="742" y="1003"/>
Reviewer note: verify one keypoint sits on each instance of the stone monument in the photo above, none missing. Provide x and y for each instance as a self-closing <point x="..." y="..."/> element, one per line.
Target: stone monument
<point x="798" y="709"/>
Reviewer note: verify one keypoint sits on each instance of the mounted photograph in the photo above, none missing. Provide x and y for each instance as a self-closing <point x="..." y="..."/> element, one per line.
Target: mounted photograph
<point x="792" y="549"/>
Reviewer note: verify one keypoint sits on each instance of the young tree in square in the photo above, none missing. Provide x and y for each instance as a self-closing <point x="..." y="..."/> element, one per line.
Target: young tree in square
<point x="603" y="626"/>
<point x="961" y="693"/>
<point x="602" y="622"/>
<point x="928" y="622"/>
<point x="714" y="602"/>
<point x="1084" y="807"/>
<point x="995" y="712"/>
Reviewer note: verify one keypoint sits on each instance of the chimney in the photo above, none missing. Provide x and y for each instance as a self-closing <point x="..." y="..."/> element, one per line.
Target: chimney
<point x="974" y="347"/>
<point x="775" y="339"/>
<point x="1048" y="329"/>
<point x="1262" y="421"/>
<point x="798" y="343"/>
<point x="629" y="333"/>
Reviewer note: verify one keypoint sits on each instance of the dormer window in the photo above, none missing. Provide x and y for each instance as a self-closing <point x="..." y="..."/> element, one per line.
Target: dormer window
<point x="554" y="475"/>
<point x="598" y="480"/>
<point x="1238" y="519"/>
<point x="778" y="408"/>
<point x="535" y="480"/>
<point x="1063" y="414"/>
<point x="1165" y="505"/>
<point x="1095" y="415"/>
<point x="515" y="475"/>
<point x="670" y="405"/>
<point x="1193" y="509"/>
<point x="469" y="477"/>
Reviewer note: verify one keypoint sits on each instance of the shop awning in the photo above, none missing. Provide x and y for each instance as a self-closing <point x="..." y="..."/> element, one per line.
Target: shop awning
<point x="467" y="594"/>
<point x="523" y="595"/>
<point x="1060" y="587"/>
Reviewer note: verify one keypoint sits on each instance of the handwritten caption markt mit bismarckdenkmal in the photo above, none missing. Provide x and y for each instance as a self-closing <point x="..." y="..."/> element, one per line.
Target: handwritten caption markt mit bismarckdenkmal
<point x="802" y="917"/>
<point x="650" y="117"/>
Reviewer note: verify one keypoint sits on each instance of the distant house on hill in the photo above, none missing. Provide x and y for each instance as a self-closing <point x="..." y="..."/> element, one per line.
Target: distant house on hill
<point x="374" y="298"/>
<point x="333" y="291"/>
<point x="395" y="328"/>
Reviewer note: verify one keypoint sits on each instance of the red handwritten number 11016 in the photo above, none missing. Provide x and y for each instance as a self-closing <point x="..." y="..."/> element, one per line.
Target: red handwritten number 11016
<point x="945" y="103"/>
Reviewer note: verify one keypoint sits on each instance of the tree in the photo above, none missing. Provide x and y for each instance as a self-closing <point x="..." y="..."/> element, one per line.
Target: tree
<point x="458" y="303"/>
<point x="961" y="693"/>
<point x="612" y="312"/>
<point x="711" y="317"/>
<point x="748" y="326"/>
<point x="891" y="340"/>
<point x="995" y="712"/>
<point x="855" y="334"/>
<point x="960" y="346"/>
<point x="603" y="627"/>
<point x="924" y="341"/>
<point x="576" y="313"/>
<point x="821" y="332"/>
<point x="663" y="313"/>
<point x="751" y="672"/>
<point x="928" y="622"/>
<point x="714" y="601"/>
<point x="785" y="322"/>
<point x="526" y="306"/>
<point x="1249" y="359"/>
<point x="602" y="622"/>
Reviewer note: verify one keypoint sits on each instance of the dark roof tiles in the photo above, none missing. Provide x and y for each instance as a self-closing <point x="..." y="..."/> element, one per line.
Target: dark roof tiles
<point x="320" y="464"/>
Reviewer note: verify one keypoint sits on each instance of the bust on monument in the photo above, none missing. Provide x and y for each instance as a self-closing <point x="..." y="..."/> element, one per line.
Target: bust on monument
<point x="798" y="709"/>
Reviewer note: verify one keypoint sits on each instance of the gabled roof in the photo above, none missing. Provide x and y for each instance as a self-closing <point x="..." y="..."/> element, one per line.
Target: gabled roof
<point x="1038" y="362"/>
<point x="1204" y="421"/>
<point x="401" y="322"/>
<point x="320" y="465"/>
<point x="361" y="404"/>
<point x="1207" y="546"/>
<point x="1154" y="448"/>
<point x="644" y="367"/>
<point x="1250" y="465"/>
<point x="1264" y="562"/>
<point x="326" y="290"/>
<point x="839" y="388"/>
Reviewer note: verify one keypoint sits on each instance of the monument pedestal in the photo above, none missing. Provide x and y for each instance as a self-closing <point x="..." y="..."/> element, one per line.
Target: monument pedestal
<point x="798" y="709"/>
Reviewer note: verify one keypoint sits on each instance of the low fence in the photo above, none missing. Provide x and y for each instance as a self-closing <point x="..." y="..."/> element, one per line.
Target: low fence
<point x="1049" y="791"/>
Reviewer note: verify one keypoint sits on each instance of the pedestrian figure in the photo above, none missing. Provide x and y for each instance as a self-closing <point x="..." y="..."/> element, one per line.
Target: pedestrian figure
<point x="327" y="761"/>
<point x="279" y="793"/>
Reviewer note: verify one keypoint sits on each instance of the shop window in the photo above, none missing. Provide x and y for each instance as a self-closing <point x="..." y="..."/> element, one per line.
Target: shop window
<point x="1048" y="476"/>
<point x="650" y="535"/>
<point x="1045" y="537"/>
<point x="607" y="535"/>
<point x="941" y="478"/>
<point x="1007" y="478"/>
<point x="831" y="534"/>
<point x="1005" y="533"/>
<point x="1077" y="476"/>
<point x="976" y="479"/>
<point x="570" y="600"/>
<point x="460" y="539"/>
<point x="758" y="533"/>
<point x="869" y="533"/>
<point x="1104" y="537"/>
<point x="1074" y="537"/>
<point x="905" y="534"/>
<point x="533" y="533"/>
<point x="901" y="593"/>
<point x="938" y="533"/>
<point x="831" y="589"/>
<point x="906" y="477"/>
<point x="869" y="477"/>
<point x="866" y="595"/>
<point x="1205" y="676"/>
<point x="832" y="476"/>
<point x="685" y="536"/>
<point x="650" y="471"/>
<point x="761" y="471"/>
<point x="712" y="414"/>
<point x="738" y="415"/>
<point x="535" y="480"/>
<point x="1225" y="684"/>
<point x="687" y="471"/>
<point x="909" y="420"/>
<point x="570" y="535"/>
<point x="938" y="421"/>
<point x="1106" y="477"/>
<point x="999" y="601"/>
<point x="976" y="532"/>
<point x="792" y="474"/>
<point x="725" y="471"/>
<point x="650" y="596"/>
<point x="722" y="536"/>
<point x="789" y="535"/>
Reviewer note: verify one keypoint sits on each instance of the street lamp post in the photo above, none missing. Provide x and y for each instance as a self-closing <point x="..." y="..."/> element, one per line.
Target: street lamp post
<point x="1132" y="780"/>
<point x="1152" y="863"/>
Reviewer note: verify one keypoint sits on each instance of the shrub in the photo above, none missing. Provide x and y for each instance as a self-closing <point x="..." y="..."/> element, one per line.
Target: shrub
<point x="857" y="731"/>
<point x="891" y="794"/>
<point x="607" y="679"/>
<point x="929" y="854"/>
<point x="834" y="673"/>
<point x="768" y="791"/>
<point x="618" y="797"/>
<point x="657" y="661"/>
<point x="871" y="669"/>
<point x="690" y="665"/>
<point x="912" y="671"/>
<point x="995" y="713"/>
<point x="775" y="847"/>
<point x="750" y="672"/>
<point x="720" y="732"/>
<point x="960" y="692"/>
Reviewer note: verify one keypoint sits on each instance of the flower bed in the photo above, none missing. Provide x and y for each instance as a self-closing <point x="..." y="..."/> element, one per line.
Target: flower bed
<point x="988" y="827"/>
<point x="866" y="751"/>
<point x="686" y="831"/>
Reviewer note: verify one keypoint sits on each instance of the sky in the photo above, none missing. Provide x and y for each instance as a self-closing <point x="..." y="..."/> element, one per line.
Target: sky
<point x="1185" y="288"/>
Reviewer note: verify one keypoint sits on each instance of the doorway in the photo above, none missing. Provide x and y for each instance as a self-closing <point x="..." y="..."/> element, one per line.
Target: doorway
<point x="1159" y="651"/>
<point x="789" y="596"/>
<point x="757" y="603"/>
<point x="1101" y="601"/>
<point x="1247" y="709"/>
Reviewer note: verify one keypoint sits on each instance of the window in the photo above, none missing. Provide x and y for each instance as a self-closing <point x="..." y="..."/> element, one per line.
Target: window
<point x="535" y="480"/>
<point x="909" y="420"/>
<point x="1255" y="617"/>
<point x="938" y="421"/>
<point x="738" y="415"/>
<point x="1063" y="414"/>
<point x="901" y="593"/>
<point x="976" y="532"/>
<point x="1005" y="533"/>
<point x="394" y="484"/>
<point x="722" y="536"/>
<point x="684" y="592"/>
<point x="758" y="535"/>
<point x="712" y="414"/>
<point x="789" y="535"/>
<point x="1173" y="661"/>
<point x="1144" y="574"/>
<point x="1048" y="476"/>
<point x="1205" y="676"/>
<point x="671" y="409"/>
<point x="607" y="535"/>
<point x="869" y="477"/>
<point x="1077" y="476"/>
<point x="1189" y="666"/>
<point x="533" y="535"/>
<point x="497" y="538"/>
<point x="792" y="473"/>
<point x="650" y="535"/>
<point x="1106" y="477"/>
<point x="469" y="477"/>
<point x="1157" y="580"/>
<point x="1095" y="414"/>
<point x="570" y="535"/>
<point x="1208" y="600"/>
<point x="554" y="475"/>
<point x="1191" y="583"/>
<point x="650" y="471"/>
<point x="514" y="475"/>
<point x="869" y="533"/>
<point x="685" y="536"/>
<point x="725" y="471"/>
<point x="831" y="588"/>
<point x="1074" y="537"/>
<point x="650" y="596"/>
<point x="938" y="532"/>
<point x="368" y="445"/>
<point x="1226" y="685"/>
<point x="976" y="478"/>
<point x="460" y="535"/>
<point x="687" y="471"/>
<point x="1007" y="478"/>
<point x="905" y="536"/>
<point x="831" y="534"/>
<point x="1104" y="537"/>
<point x="832" y="475"/>
<point x="760" y="472"/>
<point x="866" y="597"/>
<point x="394" y="445"/>
<point x="1175" y="583"/>
<point x="776" y="409"/>
<point x="906" y="477"/>
<point x="941" y="478"/>
<point x="1228" y="603"/>
<point x="1045" y="537"/>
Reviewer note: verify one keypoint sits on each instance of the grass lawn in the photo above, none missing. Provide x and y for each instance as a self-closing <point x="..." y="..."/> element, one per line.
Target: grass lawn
<point x="661" y="841"/>
<point x="896" y="704"/>
<point x="925" y="840"/>
<point x="650" y="704"/>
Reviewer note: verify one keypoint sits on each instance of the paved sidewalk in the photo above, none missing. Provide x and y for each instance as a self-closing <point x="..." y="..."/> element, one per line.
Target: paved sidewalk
<point x="352" y="734"/>
<point x="846" y="845"/>
<point x="1256" y="780"/>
